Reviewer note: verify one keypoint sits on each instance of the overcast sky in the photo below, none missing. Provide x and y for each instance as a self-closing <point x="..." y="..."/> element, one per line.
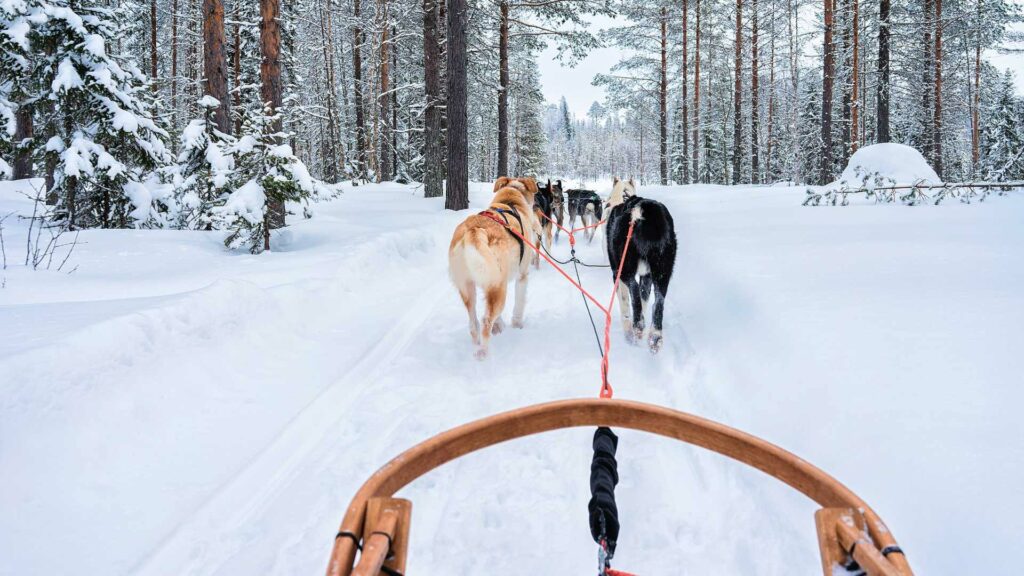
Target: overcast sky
<point x="575" y="83"/>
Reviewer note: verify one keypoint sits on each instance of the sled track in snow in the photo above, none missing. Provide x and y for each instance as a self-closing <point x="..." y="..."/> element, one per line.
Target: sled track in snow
<point x="274" y="467"/>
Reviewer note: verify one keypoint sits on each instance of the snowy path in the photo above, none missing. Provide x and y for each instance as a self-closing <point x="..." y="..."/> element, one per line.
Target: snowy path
<point x="203" y="414"/>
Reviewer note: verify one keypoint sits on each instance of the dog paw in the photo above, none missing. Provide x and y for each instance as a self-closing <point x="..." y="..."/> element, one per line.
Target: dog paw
<point x="498" y="326"/>
<point x="517" y="323"/>
<point x="655" y="343"/>
<point x="638" y="334"/>
<point x="480" y="354"/>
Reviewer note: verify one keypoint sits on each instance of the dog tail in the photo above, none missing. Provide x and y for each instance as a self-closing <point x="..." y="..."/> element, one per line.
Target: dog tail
<point x="476" y="254"/>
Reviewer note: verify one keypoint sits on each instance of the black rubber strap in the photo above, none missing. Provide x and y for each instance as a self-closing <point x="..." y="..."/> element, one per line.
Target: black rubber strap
<point x="354" y="538"/>
<point x="346" y="534"/>
<point x="891" y="549"/>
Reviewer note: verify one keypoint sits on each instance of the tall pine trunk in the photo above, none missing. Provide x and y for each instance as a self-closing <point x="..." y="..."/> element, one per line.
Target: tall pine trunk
<point x="855" y="90"/>
<point x="503" y="88"/>
<point x="686" y="104"/>
<point x="154" y="69"/>
<point x="433" y="172"/>
<point x="927" y="83"/>
<point x="331" y="98"/>
<point x="357" y="81"/>
<point x="384" y="98"/>
<point x="755" y="128"/>
<point x="23" y="135"/>
<point x="457" y="194"/>
<point x="737" y="123"/>
<point x="271" y="93"/>
<point x="214" y="62"/>
<point x="695" y="150"/>
<point x="937" y="117"/>
<point x="975" y="106"/>
<point x="174" y="67"/>
<point x="828" y="76"/>
<point x="663" y="100"/>
<point x="882" y="119"/>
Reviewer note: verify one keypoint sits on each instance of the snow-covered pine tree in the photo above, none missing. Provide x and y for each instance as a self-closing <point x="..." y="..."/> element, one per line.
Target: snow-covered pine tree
<point x="266" y="172"/>
<point x="206" y="168"/>
<point x="14" y="65"/>
<point x="1002" y="133"/>
<point x="100" y="138"/>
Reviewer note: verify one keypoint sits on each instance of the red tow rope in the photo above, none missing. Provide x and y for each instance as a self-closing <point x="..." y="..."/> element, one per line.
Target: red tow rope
<point x="606" y="387"/>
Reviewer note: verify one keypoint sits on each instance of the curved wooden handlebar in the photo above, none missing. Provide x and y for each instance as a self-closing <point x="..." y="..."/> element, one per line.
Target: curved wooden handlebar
<point x="457" y="442"/>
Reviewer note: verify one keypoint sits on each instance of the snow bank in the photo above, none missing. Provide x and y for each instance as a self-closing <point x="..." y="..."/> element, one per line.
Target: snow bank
<point x="885" y="165"/>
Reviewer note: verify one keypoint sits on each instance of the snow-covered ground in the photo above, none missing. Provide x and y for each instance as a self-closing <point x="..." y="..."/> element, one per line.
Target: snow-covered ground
<point x="171" y="408"/>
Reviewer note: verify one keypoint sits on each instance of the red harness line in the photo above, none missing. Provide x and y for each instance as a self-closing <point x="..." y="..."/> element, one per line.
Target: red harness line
<point x="571" y="233"/>
<point x="606" y="387"/>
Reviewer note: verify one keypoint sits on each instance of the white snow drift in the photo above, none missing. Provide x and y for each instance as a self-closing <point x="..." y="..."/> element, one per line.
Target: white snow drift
<point x="172" y="408"/>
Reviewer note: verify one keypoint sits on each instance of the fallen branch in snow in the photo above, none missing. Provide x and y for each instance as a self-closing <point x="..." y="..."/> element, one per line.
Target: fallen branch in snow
<point x="913" y="194"/>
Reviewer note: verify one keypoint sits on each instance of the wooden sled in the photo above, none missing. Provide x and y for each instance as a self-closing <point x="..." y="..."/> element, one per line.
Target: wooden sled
<point x="848" y="529"/>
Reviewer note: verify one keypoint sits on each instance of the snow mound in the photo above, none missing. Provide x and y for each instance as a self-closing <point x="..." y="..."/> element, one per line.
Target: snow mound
<point x="886" y="165"/>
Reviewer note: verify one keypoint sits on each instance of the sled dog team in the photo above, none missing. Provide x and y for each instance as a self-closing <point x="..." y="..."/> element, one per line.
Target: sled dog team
<point x="487" y="251"/>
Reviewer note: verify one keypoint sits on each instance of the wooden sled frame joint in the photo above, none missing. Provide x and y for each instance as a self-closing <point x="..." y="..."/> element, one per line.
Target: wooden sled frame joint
<point x="828" y="492"/>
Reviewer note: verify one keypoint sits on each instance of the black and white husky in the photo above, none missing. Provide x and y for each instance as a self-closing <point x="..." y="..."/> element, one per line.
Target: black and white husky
<point x="649" y="261"/>
<point x="587" y="205"/>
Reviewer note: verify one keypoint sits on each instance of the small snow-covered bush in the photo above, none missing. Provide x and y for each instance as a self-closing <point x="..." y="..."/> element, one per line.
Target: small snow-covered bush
<point x="206" y="169"/>
<point x="271" y="176"/>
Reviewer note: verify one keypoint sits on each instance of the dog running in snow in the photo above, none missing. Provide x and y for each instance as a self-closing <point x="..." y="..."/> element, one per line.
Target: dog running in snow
<point x="485" y="254"/>
<point x="587" y="205"/>
<point x="649" y="261"/>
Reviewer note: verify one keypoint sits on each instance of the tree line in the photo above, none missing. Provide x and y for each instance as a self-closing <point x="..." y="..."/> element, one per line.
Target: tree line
<point x="212" y="114"/>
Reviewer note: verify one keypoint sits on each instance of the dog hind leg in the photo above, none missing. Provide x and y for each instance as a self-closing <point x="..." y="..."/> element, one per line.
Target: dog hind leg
<point x="624" y="310"/>
<point x="659" y="315"/>
<point x="495" y="303"/>
<point x="519" y="307"/>
<point x="646" y="282"/>
<point x="468" y="293"/>
<point x="638" y="314"/>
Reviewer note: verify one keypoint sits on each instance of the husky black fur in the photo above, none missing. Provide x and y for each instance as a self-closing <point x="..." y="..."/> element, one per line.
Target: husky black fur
<point x="649" y="261"/>
<point x="587" y="205"/>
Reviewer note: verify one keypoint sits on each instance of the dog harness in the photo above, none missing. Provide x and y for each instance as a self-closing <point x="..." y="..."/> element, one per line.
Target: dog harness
<point x="504" y="216"/>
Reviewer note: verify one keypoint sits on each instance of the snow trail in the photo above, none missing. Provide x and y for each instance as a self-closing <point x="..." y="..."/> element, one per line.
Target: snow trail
<point x="181" y="411"/>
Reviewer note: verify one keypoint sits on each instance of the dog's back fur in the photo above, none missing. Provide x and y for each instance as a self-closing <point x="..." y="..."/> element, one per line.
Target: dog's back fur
<point x="649" y="260"/>
<point x="484" y="254"/>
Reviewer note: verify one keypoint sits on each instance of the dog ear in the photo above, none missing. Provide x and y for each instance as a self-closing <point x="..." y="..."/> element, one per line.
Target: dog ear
<point x="501" y="183"/>
<point x="615" y="180"/>
<point x="631" y="183"/>
<point x="530" y="183"/>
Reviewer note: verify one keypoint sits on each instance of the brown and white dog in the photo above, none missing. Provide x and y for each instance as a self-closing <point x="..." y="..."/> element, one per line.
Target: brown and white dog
<point x="485" y="254"/>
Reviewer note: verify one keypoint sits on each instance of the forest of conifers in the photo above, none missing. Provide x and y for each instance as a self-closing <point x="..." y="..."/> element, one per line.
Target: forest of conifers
<point x="214" y="113"/>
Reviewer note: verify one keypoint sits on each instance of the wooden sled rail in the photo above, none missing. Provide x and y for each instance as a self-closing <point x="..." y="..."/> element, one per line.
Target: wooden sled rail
<point x="844" y="520"/>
